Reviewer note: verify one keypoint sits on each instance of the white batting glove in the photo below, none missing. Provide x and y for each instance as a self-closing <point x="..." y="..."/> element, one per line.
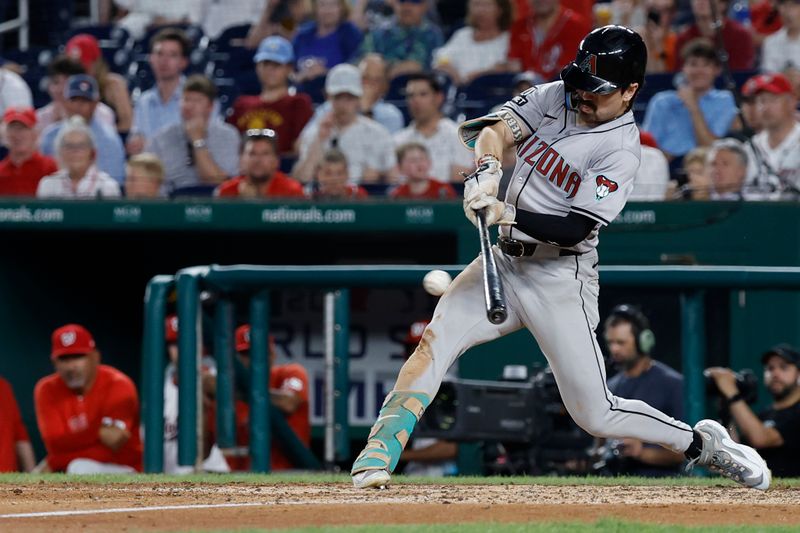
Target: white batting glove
<point x="497" y="212"/>
<point x="486" y="181"/>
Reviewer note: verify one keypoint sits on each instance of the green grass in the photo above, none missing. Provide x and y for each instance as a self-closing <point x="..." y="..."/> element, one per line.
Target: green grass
<point x="324" y="478"/>
<point x="602" y="526"/>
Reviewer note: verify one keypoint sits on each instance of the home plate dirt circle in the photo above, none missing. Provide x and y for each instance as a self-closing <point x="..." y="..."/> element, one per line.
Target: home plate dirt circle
<point x="197" y="506"/>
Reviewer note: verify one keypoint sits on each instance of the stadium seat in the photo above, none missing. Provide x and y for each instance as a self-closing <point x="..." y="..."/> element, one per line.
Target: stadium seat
<point x="201" y="191"/>
<point x="376" y="189"/>
<point x="101" y="32"/>
<point x="315" y="88"/>
<point x="483" y="93"/>
<point x="227" y="92"/>
<point x="231" y="37"/>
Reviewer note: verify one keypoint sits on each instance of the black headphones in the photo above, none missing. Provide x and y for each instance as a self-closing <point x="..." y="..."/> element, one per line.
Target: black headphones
<point x="643" y="336"/>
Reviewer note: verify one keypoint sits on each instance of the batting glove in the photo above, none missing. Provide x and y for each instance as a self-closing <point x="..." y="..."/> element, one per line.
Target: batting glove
<point x="486" y="181"/>
<point x="497" y="212"/>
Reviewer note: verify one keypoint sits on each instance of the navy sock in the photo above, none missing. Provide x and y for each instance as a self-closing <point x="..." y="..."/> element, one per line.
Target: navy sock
<point x="695" y="448"/>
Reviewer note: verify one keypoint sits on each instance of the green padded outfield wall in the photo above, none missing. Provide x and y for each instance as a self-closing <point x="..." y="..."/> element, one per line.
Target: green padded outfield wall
<point x="88" y="262"/>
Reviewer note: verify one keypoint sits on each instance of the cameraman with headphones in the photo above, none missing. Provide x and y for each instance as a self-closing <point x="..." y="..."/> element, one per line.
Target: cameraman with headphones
<point x="630" y="341"/>
<point x="774" y="432"/>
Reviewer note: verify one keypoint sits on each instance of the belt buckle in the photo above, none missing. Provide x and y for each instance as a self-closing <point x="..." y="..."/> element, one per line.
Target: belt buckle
<point x="514" y="247"/>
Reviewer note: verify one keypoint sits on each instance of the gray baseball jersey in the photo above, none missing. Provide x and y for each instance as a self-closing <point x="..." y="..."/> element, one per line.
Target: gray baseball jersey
<point x="563" y="167"/>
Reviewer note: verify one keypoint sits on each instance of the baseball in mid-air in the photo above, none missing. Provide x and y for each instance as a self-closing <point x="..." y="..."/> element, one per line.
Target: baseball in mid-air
<point x="436" y="282"/>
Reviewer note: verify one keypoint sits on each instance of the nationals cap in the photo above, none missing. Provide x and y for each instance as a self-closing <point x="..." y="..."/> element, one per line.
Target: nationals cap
<point x="415" y="332"/>
<point x="24" y="115"/>
<point x="785" y="352"/>
<point x="775" y="83"/>
<point x="85" y="49"/>
<point x="72" y="339"/>
<point x="243" y="339"/>
<point x="171" y="328"/>
<point x="81" y="86"/>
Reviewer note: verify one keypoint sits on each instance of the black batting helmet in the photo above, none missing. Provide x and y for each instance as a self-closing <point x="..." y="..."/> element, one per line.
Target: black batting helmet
<point x="608" y="59"/>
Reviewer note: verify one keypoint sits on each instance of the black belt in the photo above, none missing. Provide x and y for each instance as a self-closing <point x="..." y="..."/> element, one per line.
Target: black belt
<point x="517" y="248"/>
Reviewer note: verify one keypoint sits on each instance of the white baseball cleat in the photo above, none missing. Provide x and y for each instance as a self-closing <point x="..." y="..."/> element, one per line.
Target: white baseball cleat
<point x="371" y="478"/>
<point x="733" y="460"/>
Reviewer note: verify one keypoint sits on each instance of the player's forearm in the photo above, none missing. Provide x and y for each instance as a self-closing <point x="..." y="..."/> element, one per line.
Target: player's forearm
<point x="562" y="231"/>
<point x="703" y="135"/>
<point x="207" y="168"/>
<point x="752" y="428"/>
<point x="25" y="457"/>
<point x="493" y="140"/>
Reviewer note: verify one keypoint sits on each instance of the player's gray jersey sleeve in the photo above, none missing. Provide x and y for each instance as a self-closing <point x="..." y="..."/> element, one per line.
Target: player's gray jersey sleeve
<point x="606" y="187"/>
<point x="525" y="112"/>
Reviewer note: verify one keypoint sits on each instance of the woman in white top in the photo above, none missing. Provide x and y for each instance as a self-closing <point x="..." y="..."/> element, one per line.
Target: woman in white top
<point x="480" y="47"/>
<point x="77" y="177"/>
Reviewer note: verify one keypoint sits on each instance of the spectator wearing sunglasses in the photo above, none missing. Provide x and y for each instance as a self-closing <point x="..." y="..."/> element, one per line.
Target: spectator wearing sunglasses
<point x="261" y="177"/>
<point x="197" y="150"/>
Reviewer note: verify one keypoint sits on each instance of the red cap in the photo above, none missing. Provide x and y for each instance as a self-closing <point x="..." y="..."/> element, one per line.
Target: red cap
<point x="243" y="338"/>
<point x="171" y="328"/>
<point x="71" y="339"/>
<point x="415" y="332"/>
<point x="85" y="49"/>
<point x="26" y="115"/>
<point x="775" y="83"/>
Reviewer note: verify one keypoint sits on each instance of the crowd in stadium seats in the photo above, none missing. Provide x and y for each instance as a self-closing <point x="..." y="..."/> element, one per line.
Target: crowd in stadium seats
<point x="169" y="93"/>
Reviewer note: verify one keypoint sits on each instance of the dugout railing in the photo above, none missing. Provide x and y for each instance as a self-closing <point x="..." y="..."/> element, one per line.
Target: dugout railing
<point x="256" y="282"/>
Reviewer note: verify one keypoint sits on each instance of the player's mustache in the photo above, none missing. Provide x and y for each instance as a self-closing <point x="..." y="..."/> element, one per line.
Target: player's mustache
<point x="579" y="102"/>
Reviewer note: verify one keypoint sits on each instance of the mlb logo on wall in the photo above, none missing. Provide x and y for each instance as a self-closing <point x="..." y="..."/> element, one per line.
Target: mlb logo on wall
<point x="68" y="338"/>
<point x="605" y="187"/>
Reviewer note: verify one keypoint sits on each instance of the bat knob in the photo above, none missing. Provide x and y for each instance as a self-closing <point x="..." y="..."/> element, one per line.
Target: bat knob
<point x="498" y="316"/>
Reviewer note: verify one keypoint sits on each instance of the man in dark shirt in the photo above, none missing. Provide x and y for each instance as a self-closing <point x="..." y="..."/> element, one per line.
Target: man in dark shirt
<point x="630" y="341"/>
<point x="774" y="432"/>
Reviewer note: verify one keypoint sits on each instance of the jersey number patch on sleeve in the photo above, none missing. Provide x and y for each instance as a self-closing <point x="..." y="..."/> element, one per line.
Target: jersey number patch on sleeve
<point x="605" y="187"/>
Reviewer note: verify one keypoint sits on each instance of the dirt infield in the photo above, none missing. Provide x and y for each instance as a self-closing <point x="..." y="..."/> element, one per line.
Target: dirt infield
<point x="197" y="507"/>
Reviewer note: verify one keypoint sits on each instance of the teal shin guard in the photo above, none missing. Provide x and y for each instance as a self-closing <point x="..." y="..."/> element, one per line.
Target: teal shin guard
<point x="400" y="412"/>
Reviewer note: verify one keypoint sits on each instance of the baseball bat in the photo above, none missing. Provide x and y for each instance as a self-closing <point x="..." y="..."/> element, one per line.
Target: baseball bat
<point x="493" y="292"/>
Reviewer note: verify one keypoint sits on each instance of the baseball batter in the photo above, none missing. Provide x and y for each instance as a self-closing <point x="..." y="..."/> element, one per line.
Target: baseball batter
<point x="577" y="154"/>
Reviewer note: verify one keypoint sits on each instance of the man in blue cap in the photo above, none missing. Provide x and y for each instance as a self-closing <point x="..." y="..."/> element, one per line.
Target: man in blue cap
<point x="274" y="108"/>
<point x="81" y="96"/>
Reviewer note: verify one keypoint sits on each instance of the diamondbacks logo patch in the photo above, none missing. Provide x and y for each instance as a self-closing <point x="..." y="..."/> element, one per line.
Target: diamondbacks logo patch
<point x="589" y="64"/>
<point x="605" y="187"/>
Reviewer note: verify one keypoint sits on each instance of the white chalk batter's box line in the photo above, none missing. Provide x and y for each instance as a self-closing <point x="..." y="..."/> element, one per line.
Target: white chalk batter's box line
<point x="51" y="514"/>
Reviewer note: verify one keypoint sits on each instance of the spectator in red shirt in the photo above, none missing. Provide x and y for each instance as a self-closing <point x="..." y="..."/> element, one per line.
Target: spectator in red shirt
<point x="274" y="108"/>
<point x="24" y="166"/>
<point x="88" y="413"/>
<point x="288" y="390"/>
<point x="332" y="180"/>
<point x="737" y="40"/>
<point x="546" y="40"/>
<point x="414" y="163"/>
<point x="16" y="452"/>
<point x="261" y="176"/>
